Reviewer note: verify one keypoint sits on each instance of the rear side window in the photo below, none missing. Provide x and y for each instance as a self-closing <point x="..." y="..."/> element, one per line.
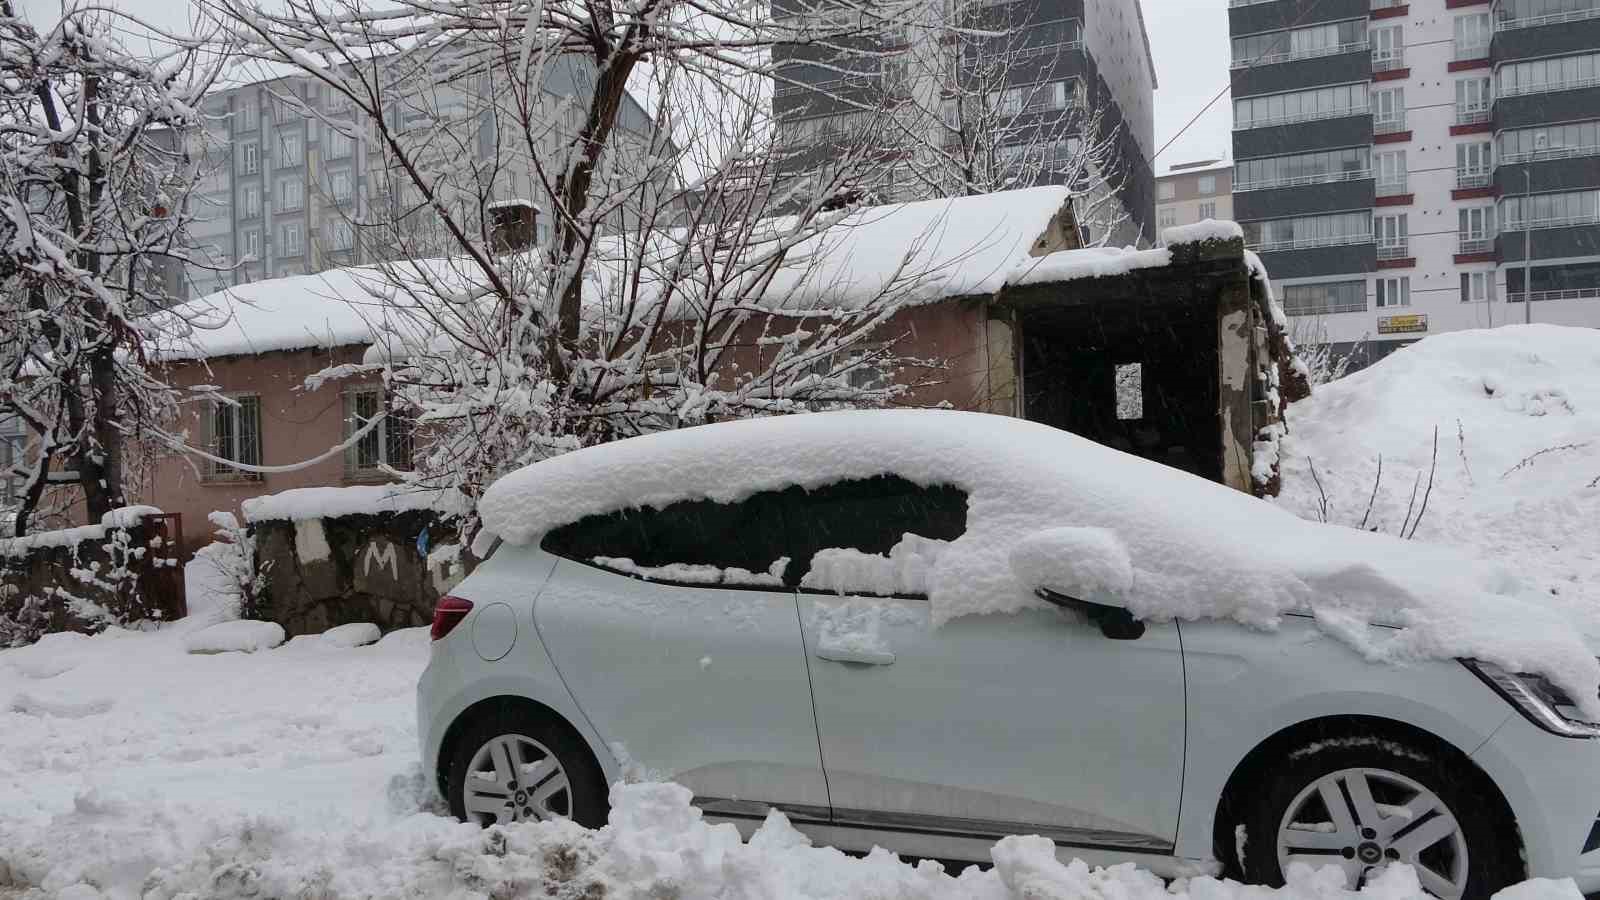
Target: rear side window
<point x="693" y="540"/>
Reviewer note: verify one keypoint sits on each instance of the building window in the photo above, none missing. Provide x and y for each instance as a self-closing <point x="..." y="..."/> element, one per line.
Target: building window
<point x="291" y="239"/>
<point x="1392" y="235"/>
<point x="250" y="243"/>
<point x="291" y="194"/>
<point x="1513" y="14"/>
<point x="1208" y="184"/>
<point x="1477" y="287"/>
<point x="1472" y="36"/>
<point x="386" y="446"/>
<point x="1551" y="210"/>
<point x="12" y="455"/>
<point x="252" y="201"/>
<point x="1473" y="166"/>
<point x="1473" y="101"/>
<point x="1309" y="231"/>
<point x="1300" y="106"/>
<point x="233" y="432"/>
<point x="1388" y="110"/>
<point x="1388" y="48"/>
<point x="1168" y="218"/>
<point x="248" y="116"/>
<point x="1303" y="168"/>
<point x="1300" y="43"/>
<point x="1475" y="230"/>
<point x="1536" y="76"/>
<point x="338" y="144"/>
<point x="1394" y="292"/>
<point x="1325" y="299"/>
<point x="1166" y="190"/>
<point x="1550" y="142"/>
<point x="1390" y="169"/>
<point x="294" y="150"/>
<point x="339" y="186"/>
<point x="1208" y="211"/>
<point x="341" y="236"/>
<point x="249" y="158"/>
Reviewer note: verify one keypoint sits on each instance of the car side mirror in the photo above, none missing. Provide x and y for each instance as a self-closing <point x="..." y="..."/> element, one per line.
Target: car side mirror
<point x="1114" y="620"/>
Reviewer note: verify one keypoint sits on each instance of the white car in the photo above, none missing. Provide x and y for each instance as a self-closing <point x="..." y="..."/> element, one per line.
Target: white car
<point x="927" y="630"/>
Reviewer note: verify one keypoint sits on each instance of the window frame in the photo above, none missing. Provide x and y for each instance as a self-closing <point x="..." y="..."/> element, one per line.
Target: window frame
<point x="216" y="472"/>
<point x="384" y="438"/>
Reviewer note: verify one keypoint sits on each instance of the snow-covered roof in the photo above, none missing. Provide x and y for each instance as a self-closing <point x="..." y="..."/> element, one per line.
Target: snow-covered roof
<point x="1196" y="549"/>
<point x="923" y="252"/>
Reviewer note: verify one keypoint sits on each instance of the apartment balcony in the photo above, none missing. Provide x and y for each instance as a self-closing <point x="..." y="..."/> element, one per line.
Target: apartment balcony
<point x="1283" y="56"/>
<point x="1388" y="60"/>
<point x="1395" y="254"/>
<point x="1392" y="130"/>
<point x="1469" y="246"/>
<point x="1571" y="294"/>
<point x="1393" y="186"/>
<point x="1469" y="179"/>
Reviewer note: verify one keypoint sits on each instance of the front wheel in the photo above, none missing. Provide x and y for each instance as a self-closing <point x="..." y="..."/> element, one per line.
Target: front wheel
<point x="1363" y="803"/>
<point x="518" y="767"/>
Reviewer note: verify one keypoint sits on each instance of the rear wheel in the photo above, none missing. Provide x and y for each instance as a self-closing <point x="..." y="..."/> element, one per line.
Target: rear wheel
<point x="517" y="766"/>
<point x="1363" y="803"/>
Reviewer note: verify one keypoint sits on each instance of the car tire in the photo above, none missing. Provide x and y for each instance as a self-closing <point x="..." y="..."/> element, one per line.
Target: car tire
<point x="553" y="774"/>
<point x="1396" y="798"/>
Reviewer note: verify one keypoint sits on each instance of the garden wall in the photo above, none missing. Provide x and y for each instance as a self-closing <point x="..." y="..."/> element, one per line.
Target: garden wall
<point x="120" y="572"/>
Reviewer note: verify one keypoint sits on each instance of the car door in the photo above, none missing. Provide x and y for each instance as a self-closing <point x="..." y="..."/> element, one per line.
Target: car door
<point x="686" y="656"/>
<point x="1032" y="722"/>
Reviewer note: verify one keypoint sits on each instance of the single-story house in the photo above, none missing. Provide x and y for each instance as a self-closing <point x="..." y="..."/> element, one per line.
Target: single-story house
<point x="1175" y="353"/>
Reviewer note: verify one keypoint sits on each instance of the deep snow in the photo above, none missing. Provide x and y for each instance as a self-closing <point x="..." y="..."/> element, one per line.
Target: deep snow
<point x="1518" y="475"/>
<point x="129" y="768"/>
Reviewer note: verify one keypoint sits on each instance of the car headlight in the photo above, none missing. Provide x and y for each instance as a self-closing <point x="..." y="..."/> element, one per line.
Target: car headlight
<point x="1540" y="701"/>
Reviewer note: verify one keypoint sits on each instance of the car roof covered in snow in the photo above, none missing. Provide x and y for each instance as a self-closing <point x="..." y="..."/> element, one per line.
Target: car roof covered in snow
<point x="1197" y="549"/>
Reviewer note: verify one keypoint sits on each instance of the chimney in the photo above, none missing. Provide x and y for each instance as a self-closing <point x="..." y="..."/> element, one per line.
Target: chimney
<point x="511" y="225"/>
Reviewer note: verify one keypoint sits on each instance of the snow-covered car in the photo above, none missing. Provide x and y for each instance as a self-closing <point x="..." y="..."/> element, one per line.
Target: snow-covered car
<point x="925" y="630"/>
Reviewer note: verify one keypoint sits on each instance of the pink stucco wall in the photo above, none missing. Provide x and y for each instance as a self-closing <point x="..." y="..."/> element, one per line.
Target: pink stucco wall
<point x="297" y="424"/>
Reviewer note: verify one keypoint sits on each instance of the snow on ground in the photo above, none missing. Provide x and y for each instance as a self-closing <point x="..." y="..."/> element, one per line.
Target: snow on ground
<point x="1518" y="473"/>
<point x="131" y="769"/>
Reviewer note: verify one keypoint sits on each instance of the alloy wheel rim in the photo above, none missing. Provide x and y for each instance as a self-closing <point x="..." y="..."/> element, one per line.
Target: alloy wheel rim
<point x="1363" y="819"/>
<point x="514" y="778"/>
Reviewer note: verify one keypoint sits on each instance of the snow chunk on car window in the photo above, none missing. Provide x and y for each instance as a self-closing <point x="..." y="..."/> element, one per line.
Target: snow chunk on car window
<point x="1198" y="550"/>
<point x="904" y="570"/>
<point x="1078" y="562"/>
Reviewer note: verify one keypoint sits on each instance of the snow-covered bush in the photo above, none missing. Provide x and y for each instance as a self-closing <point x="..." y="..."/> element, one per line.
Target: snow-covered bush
<point x="233" y="556"/>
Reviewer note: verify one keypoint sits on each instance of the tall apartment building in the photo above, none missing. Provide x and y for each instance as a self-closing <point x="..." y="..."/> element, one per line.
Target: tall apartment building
<point x="1044" y="66"/>
<point x="282" y="193"/>
<point x="1194" y="192"/>
<point x="1393" y="158"/>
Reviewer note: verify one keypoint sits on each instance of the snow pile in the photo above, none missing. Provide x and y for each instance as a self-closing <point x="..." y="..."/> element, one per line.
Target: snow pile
<point x="1091" y="262"/>
<point x="122" y="517"/>
<point x="245" y="635"/>
<point x="1517" y="476"/>
<point x="689" y="573"/>
<point x="137" y="771"/>
<point x="1204" y="230"/>
<point x="300" y="504"/>
<point x="904" y="570"/>
<point x="355" y="634"/>
<point x="1198" y="549"/>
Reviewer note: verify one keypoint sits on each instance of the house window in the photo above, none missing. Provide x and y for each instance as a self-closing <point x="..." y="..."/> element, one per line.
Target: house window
<point x="1166" y="190"/>
<point x="1394" y="292"/>
<point x="233" y="432"/>
<point x="1477" y="287"/>
<point x="1208" y="184"/>
<point x="249" y="158"/>
<point x="291" y="194"/>
<point x="252" y="201"/>
<point x="291" y="239"/>
<point x="386" y="446"/>
<point x="1208" y="210"/>
<point x="294" y="150"/>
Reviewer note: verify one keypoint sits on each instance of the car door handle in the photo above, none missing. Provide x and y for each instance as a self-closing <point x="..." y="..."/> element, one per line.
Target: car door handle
<point x="854" y="655"/>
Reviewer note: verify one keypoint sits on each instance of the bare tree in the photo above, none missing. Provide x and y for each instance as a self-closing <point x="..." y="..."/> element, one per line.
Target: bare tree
<point x="664" y="292"/>
<point x="93" y="193"/>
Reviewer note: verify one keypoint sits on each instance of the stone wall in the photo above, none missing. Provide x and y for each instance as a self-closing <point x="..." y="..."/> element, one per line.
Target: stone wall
<point x="357" y="568"/>
<point x="84" y="579"/>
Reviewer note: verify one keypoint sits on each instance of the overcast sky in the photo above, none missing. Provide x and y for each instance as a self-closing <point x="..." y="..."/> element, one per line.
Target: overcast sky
<point x="1189" y="39"/>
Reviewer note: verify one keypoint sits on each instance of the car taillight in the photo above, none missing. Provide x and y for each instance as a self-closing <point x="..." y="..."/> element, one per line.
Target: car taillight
<point x="448" y="614"/>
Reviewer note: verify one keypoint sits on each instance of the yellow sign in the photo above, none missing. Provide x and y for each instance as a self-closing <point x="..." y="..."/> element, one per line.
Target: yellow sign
<point x="1402" y="324"/>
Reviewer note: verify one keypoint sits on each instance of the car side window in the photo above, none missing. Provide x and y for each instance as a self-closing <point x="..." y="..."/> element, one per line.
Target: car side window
<point x="873" y="535"/>
<point x="690" y="542"/>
